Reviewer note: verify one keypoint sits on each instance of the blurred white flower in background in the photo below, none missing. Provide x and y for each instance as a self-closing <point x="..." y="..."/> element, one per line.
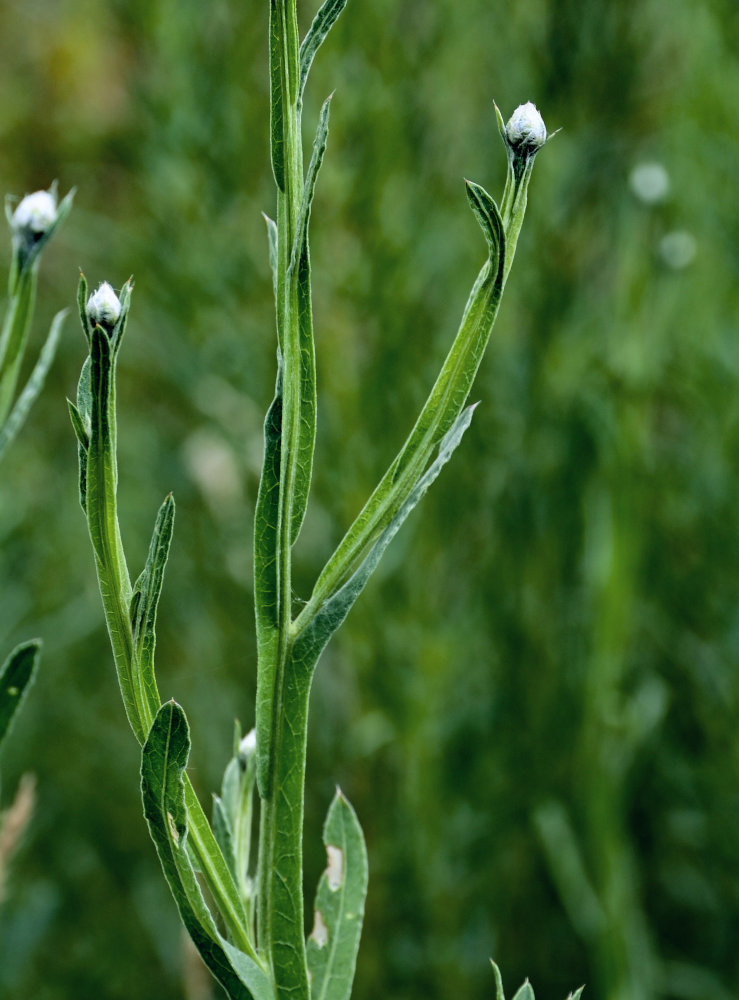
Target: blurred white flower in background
<point x="650" y="182"/>
<point x="677" y="249"/>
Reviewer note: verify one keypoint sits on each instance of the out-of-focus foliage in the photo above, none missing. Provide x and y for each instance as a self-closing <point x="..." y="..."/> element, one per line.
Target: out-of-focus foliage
<point x="534" y="707"/>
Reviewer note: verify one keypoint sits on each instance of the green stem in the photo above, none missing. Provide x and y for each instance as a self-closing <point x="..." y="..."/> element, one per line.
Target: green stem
<point x="280" y="874"/>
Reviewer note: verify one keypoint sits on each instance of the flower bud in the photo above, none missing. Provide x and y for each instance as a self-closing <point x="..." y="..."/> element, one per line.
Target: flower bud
<point x="35" y="214"/>
<point x="526" y="131"/>
<point x="104" y="306"/>
<point x="248" y="745"/>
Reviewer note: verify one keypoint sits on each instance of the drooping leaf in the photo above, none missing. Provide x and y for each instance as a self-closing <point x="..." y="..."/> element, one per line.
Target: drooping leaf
<point x="487" y="214"/>
<point x="34" y="385"/>
<point x="339" y="907"/>
<point x="310" y="642"/>
<point x="300" y="270"/>
<point x="16" y="676"/>
<point x="266" y="583"/>
<point x="164" y="758"/>
<point x="323" y="22"/>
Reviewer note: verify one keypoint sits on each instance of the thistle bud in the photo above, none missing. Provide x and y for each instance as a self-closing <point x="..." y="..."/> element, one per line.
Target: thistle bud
<point x="526" y="131"/>
<point x="35" y="214"/>
<point x="104" y="307"/>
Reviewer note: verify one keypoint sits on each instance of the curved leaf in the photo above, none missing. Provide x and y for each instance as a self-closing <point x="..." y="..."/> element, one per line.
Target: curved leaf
<point x="16" y="676"/>
<point x="164" y="758"/>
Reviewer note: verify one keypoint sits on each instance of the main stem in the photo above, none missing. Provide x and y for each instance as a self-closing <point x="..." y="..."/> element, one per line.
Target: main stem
<point x="280" y="903"/>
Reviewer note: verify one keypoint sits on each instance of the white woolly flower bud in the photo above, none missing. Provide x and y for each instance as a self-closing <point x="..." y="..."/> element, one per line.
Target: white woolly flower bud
<point x="104" y="306"/>
<point x="248" y="745"/>
<point x="526" y="130"/>
<point x="35" y="214"/>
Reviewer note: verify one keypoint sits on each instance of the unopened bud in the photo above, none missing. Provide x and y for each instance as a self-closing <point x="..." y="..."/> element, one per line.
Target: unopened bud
<point x="35" y="214"/>
<point x="248" y="745"/>
<point x="526" y="131"/>
<point x="104" y="306"/>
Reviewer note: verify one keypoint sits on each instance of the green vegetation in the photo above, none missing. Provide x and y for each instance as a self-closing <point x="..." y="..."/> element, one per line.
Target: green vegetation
<point x="533" y="709"/>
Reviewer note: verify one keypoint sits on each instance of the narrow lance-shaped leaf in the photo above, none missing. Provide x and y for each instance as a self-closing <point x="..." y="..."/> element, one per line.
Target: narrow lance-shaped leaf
<point x="310" y="642"/>
<point x="443" y="406"/>
<point x="339" y="907"/>
<point x="272" y="238"/>
<point x="33" y="387"/>
<point x="164" y="758"/>
<point x="266" y="582"/>
<point x="277" y="100"/>
<point x="81" y="416"/>
<point x="145" y="601"/>
<point x="16" y="675"/>
<point x="323" y="22"/>
<point x="102" y="518"/>
<point x="82" y="307"/>
<point x="300" y="271"/>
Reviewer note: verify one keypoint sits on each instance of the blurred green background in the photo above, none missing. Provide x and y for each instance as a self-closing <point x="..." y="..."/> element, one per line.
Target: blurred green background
<point x="534" y="706"/>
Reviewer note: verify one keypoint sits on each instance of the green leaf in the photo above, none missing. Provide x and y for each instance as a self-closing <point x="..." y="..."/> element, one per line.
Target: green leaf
<point x="339" y="907"/>
<point x="35" y="383"/>
<point x="16" y="676"/>
<point x="266" y="585"/>
<point x="116" y="336"/>
<point x="277" y="96"/>
<point x="576" y="995"/>
<point x="439" y="413"/>
<point x="82" y="307"/>
<point x="164" y="758"/>
<point x="310" y="642"/>
<point x="272" y="237"/>
<point x="525" y="992"/>
<point x="145" y="601"/>
<point x="488" y="215"/>
<point x="499" y="994"/>
<point x="78" y="425"/>
<point x="323" y="22"/>
<point x="300" y="268"/>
